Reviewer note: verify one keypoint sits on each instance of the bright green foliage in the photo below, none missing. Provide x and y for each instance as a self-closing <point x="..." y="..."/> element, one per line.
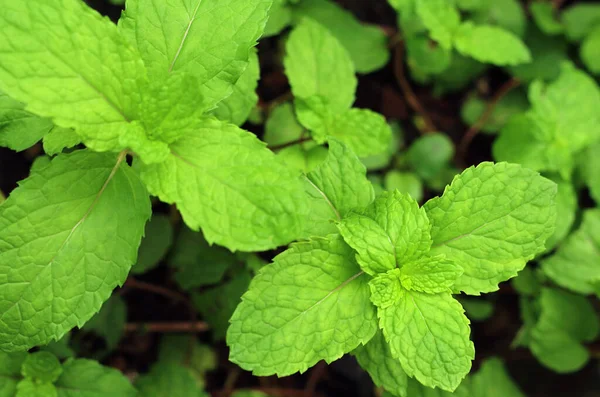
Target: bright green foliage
<point x="506" y="14"/>
<point x="576" y="264"/>
<point x="20" y="129"/>
<point x="169" y="379"/>
<point x="566" y="208"/>
<point x="282" y="127"/>
<point x="110" y="321"/>
<point x="172" y="36"/>
<point x="376" y="358"/>
<point x="492" y="380"/>
<point x="385" y="288"/>
<point x="335" y="188"/>
<point x="491" y="220"/>
<point x="425" y="58"/>
<point x="429" y="333"/>
<point x="237" y="107"/>
<point x="580" y="19"/>
<point x="87" y="378"/>
<point x="60" y="348"/>
<point x="225" y="181"/>
<point x="10" y="371"/>
<point x="59" y="139"/>
<point x="590" y="168"/>
<point x="27" y="387"/>
<point x="157" y="240"/>
<point x="404" y="182"/>
<point x="562" y="121"/>
<point x="312" y="303"/>
<point x="490" y="44"/>
<point x="565" y="322"/>
<point x="543" y="14"/>
<point x="430" y="274"/>
<point x="375" y="250"/>
<point x="57" y="270"/>
<point x="512" y="103"/>
<point x="590" y="50"/>
<point x="280" y="16"/>
<point x="441" y="18"/>
<point x="42" y="367"/>
<point x="366" y="45"/>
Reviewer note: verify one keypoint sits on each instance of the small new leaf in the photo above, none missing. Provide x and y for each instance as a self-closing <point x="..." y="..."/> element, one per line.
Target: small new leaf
<point x="385" y="289"/>
<point x="430" y="274"/>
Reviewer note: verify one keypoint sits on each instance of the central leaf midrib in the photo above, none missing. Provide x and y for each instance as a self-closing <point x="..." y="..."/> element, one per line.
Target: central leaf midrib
<point x="185" y="35"/>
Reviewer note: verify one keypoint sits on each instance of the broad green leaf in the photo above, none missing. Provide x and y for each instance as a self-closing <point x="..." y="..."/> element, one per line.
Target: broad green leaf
<point x="335" y="188"/>
<point x="20" y="129"/>
<point x="441" y="18"/>
<point x="312" y="302"/>
<point x="490" y="44"/>
<point x="425" y="58"/>
<point x="491" y="220"/>
<point x="580" y="19"/>
<point x="576" y="264"/>
<point x="68" y="236"/>
<point x="28" y="387"/>
<point x="10" y="372"/>
<point x="590" y="167"/>
<point x="430" y="274"/>
<point x="590" y="51"/>
<point x="109" y="322"/>
<point x="98" y="102"/>
<point x="43" y="367"/>
<point x="158" y="238"/>
<point x="167" y="379"/>
<point x="565" y="321"/>
<point x="404" y="182"/>
<point x="566" y="209"/>
<point x="544" y="16"/>
<point x="305" y="157"/>
<point x="375" y="252"/>
<point x="226" y="182"/>
<point x="87" y="378"/>
<point x="506" y="14"/>
<point x="366" y="45"/>
<point x="281" y="126"/>
<point x="280" y="16"/>
<point x="493" y="380"/>
<point x="317" y="64"/>
<point x="59" y="139"/>
<point x="376" y="358"/>
<point x="209" y="40"/>
<point x="429" y="154"/>
<point x="382" y="160"/>
<point x="404" y="222"/>
<point x="429" y="334"/>
<point x="513" y="103"/>
<point x="385" y="288"/>
<point x="196" y="262"/>
<point x="218" y="303"/>
<point x="237" y="107"/>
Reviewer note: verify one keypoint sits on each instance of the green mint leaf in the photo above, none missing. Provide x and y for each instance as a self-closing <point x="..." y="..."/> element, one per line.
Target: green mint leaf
<point x="20" y="129"/>
<point x="385" y="288"/>
<point x="506" y="14"/>
<point x="317" y="64"/>
<point x="158" y="238"/>
<point x="366" y="45"/>
<point x="544" y="16"/>
<point x="374" y="248"/>
<point x="405" y="182"/>
<point x="590" y="51"/>
<point x="280" y="17"/>
<point x="335" y="188"/>
<point x="59" y="139"/>
<point x="168" y="379"/>
<point x="492" y="380"/>
<point x="237" y="107"/>
<point x="105" y="97"/>
<point x="426" y="59"/>
<point x="590" y="168"/>
<point x="10" y="372"/>
<point x="548" y="53"/>
<point x="42" y="367"/>
<point x="60" y="348"/>
<point x="218" y="304"/>
<point x="511" y="213"/>
<point x="376" y="358"/>
<point x="478" y="309"/>
<point x="441" y="18"/>
<point x="405" y="223"/>
<point x="580" y="19"/>
<point x="490" y="44"/>
<point x="109" y="322"/>
<point x="58" y="269"/>
<point x="282" y="127"/>
<point x="576" y="264"/>
<point x="461" y="72"/>
<point x="27" y="388"/>
<point x="312" y="301"/>
<point x="431" y="274"/>
<point x="429" y="154"/>
<point x="208" y="40"/>
<point x="566" y="320"/>
<point x="566" y="209"/>
<point x="87" y="378"/>
<point x="226" y="182"/>
<point x="429" y="334"/>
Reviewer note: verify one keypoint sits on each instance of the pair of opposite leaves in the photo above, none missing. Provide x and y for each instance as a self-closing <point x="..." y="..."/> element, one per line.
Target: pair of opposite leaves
<point x="394" y="266"/>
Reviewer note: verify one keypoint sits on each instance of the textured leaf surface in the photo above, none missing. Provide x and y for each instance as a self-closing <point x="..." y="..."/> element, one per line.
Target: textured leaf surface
<point x="312" y="303"/>
<point x="429" y="334"/>
<point x="576" y="264"/>
<point x="491" y="220"/>
<point x="490" y="44"/>
<point x="68" y="236"/>
<point x="27" y="387"/>
<point x="441" y="18"/>
<point x="70" y="39"/>
<point x="376" y="358"/>
<point x="431" y="274"/>
<point x="226" y="182"/>
<point x="316" y="63"/>
<point x="87" y="378"/>
<point x="207" y="39"/>
<point x="336" y="187"/>
<point x="43" y="367"/>
<point x="20" y="129"/>
<point x="375" y="251"/>
<point x="60" y="138"/>
<point x="385" y="288"/>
